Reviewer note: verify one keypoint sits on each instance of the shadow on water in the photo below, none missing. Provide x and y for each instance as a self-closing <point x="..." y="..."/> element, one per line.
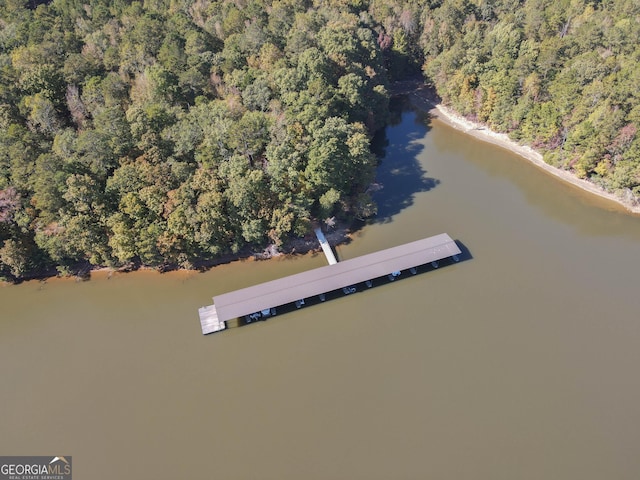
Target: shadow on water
<point x="400" y="174"/>
<point x="465" y="252"/>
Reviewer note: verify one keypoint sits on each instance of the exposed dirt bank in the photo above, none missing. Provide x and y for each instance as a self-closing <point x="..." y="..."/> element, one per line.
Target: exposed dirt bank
<point x="337" y="234"/>
<point x="423" y="98"/>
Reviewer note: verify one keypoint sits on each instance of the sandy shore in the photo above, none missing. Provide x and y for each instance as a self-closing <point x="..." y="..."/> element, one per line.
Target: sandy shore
<point x="421" y="98"/>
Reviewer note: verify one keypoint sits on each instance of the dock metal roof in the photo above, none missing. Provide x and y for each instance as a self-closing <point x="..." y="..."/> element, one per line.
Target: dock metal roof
<point x="332" y="277"/>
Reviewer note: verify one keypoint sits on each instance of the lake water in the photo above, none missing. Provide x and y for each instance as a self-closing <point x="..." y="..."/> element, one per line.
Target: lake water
<point x="519" y="362"/>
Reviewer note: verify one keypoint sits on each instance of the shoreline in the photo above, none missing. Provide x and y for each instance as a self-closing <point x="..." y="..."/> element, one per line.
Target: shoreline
<point x="422" y="99"/>
<point x="339" y="234"/>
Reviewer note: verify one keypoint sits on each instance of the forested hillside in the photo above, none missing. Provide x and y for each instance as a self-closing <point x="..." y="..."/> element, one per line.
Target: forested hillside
<point x="560" y="75"/>
<point x="165" y="131"/>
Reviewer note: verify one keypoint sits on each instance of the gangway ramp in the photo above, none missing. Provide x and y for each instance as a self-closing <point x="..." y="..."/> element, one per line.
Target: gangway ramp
<point x="326" y="248"/>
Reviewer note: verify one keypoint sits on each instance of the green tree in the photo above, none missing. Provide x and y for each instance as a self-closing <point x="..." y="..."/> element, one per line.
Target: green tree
<point x="339" y="158"/>
<point x="14" y="257"/>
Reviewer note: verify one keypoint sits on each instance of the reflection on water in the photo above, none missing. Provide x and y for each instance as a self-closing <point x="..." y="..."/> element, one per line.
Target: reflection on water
<point x="520" y="363"/>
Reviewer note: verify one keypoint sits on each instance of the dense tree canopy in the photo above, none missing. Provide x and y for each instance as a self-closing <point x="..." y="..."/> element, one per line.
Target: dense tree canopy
<point x="162" y="132"/>
<point x="559" y="75"/>
<point x="165" y="131"/>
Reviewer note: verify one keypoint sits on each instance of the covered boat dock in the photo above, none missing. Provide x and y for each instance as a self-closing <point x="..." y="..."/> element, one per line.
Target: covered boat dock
<point x="265" y="297"/>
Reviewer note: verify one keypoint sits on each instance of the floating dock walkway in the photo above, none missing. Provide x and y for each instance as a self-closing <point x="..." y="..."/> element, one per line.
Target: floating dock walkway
<point x="262" y="300"/>
<point x="326" y="248"/>
<point x="209" y="320"/>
